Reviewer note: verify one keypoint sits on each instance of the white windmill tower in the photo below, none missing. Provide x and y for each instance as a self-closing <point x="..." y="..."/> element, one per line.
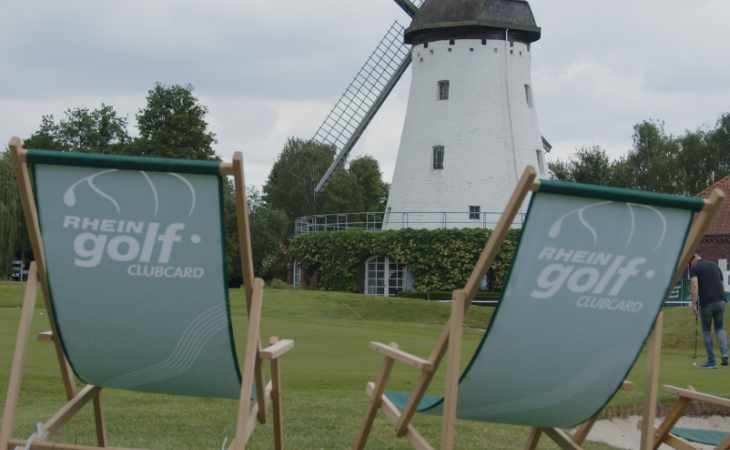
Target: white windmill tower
<point x="471" y="126"/>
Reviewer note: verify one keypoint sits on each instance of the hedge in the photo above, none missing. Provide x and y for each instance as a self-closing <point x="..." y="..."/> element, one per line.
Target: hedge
<point x="440" y="260"/>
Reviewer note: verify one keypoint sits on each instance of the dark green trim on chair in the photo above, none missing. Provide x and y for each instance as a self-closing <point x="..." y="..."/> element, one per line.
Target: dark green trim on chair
<point x="621" y="195"/>
<point x="123" y="162"/>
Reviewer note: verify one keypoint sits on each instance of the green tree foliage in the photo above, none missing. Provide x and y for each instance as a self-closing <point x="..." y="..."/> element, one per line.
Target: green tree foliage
<point x="300" y="166"/>
<point x="590" y="165"/>
<point x="658" y="161"/>
<point x="269" y="232"/>
<point x="438" y="259"/>
<point x="173" y="125"/>
<point x="99" y="130"/>
<point x="369" y="178"/>
<point x="46" y="137"/>
<point x="296" y="172"/>
<point x="343" y="194"/>
<point x="652" y="163"/>
<point x="11" y="216"/>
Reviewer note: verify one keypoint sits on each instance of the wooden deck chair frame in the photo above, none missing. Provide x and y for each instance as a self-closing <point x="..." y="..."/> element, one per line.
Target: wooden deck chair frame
<point x="450" y="341"/>
<point x="249" y="411"/>
<point x="664" y="433"/>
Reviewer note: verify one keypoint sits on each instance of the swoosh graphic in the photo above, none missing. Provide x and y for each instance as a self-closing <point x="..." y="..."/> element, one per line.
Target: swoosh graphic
<point x="633" y="224"/>
<point x="69" y="197"/>
<point x="154" y="190"/>
<point x="192" y="190"/>
<point x="187" y="350"/>
<point x="588" y="227"/>
<point x="557" y="226"/>
<point x="663" y="219"/>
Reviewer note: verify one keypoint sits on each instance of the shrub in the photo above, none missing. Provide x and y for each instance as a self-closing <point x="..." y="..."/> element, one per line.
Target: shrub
<point x="440" y="260"/>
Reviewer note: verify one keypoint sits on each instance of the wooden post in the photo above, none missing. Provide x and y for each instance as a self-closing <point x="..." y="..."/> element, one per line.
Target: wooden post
<point x="276" y="400"/>
<point x="456" y="331"/>
<point x="101" y="438"/>
<point x="34" y="233"/>
<point x="375" y="402"/>
<point x="666" y="427"/>
<point x="249" y="363"/>
<point x="21" y="347"/>
<point x="653" y="358"/>
<point x="533" y="438"/>
<point x="582" y="433"/>
<point x="247" y="272"/>
<point x="244" y="230"/>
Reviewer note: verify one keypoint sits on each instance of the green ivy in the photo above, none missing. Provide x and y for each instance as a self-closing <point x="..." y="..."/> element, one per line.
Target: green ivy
<point x="438" y="259"/>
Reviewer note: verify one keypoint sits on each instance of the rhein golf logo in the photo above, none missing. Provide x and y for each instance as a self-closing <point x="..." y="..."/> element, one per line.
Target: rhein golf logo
<point x="146" y="247"/>
<point x="596" y="277"/>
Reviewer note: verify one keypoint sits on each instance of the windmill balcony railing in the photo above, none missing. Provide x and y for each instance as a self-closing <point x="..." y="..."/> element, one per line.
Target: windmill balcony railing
<point x="397" y="220"/>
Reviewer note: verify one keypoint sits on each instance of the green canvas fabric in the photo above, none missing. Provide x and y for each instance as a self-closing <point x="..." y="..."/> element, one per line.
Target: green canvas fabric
<point x="708" y="437"/>
<point x="588" y="280"/>
<point x="135" y="263"/>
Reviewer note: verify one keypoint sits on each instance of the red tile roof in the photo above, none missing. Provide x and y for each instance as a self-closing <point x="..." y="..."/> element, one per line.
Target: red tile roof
<point x="721" y="224"/>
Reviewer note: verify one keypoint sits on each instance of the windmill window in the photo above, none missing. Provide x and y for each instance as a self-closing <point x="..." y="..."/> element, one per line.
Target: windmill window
<point x="443" y="87"/>
<point x="484" y="42"/>
<point x="528" y="95"/>
<point x="452" y="42"/>
<point x="438" y="157"/>
<point x="475" y="212"/>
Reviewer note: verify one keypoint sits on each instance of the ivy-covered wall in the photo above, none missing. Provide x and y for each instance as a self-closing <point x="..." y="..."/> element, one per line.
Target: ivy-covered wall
<point x="438" y="259"/>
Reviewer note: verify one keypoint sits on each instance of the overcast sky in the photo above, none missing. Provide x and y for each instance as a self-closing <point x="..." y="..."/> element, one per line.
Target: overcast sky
<point x="272" y="69"/>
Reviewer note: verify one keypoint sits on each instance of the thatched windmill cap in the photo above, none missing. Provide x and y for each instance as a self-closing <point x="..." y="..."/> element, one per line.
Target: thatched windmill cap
<point x="440" y="20"/>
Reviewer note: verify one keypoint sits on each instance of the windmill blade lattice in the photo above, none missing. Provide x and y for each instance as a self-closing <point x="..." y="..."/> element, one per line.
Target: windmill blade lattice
<point x="352" y="113"/>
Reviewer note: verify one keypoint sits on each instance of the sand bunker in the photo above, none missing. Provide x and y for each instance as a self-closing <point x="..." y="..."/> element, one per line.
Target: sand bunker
<point x="622" y="432"/>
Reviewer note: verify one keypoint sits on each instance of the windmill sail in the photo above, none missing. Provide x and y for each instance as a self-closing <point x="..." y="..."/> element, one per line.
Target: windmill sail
<point x="367" y="92"/>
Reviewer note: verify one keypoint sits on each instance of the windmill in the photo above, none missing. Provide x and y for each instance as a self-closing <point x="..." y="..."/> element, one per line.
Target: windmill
<point x="471" y="124"/>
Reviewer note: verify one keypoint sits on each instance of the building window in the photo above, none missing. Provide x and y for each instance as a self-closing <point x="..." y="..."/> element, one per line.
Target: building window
<point x="438" y="157"/>
<point x="384" y="277"/>
<point x="475" y="212"/>
<point x="528" y="95"/>
<point x="443" y="89"/>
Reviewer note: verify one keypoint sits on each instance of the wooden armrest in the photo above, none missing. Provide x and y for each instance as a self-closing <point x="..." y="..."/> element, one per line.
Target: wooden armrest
<point x="694" y="395"/>
<point x="45" y="336"/>
<point x="277" y="349"/>
<point x="400" y="355"/>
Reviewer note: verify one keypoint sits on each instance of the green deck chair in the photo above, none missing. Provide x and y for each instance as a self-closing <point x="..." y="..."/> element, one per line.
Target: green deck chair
<point x="680" y="438"/>
<point x="587" y="283"/>
<point x="130" y="256"/>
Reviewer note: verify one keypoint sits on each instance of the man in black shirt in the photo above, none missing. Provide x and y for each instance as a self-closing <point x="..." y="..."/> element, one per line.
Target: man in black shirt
<point x="707" y="283"/>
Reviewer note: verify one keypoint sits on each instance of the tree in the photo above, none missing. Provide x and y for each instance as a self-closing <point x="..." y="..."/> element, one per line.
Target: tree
<point x="269" y="232"/>
<point x="343" y="194"/>
<point x="173" y="124"/>
<point x="12" y="226"/>
<point x="99" y="130"/>
<point x="590" y="165"/>
<point x="651" y="164"/>
<point x="370" y="179"/>
<point x="46" y="135"/>
<point x="295" y="174"/>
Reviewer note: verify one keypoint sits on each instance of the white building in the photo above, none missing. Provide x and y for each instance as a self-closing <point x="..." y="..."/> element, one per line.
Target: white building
<point x="471" y="125"/>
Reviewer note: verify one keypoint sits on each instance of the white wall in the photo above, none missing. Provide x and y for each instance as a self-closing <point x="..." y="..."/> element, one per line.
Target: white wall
<point x="489" y="132"/>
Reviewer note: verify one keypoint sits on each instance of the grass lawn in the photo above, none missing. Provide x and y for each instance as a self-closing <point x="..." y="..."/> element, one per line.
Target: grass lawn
<point x="324" y="377"/>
